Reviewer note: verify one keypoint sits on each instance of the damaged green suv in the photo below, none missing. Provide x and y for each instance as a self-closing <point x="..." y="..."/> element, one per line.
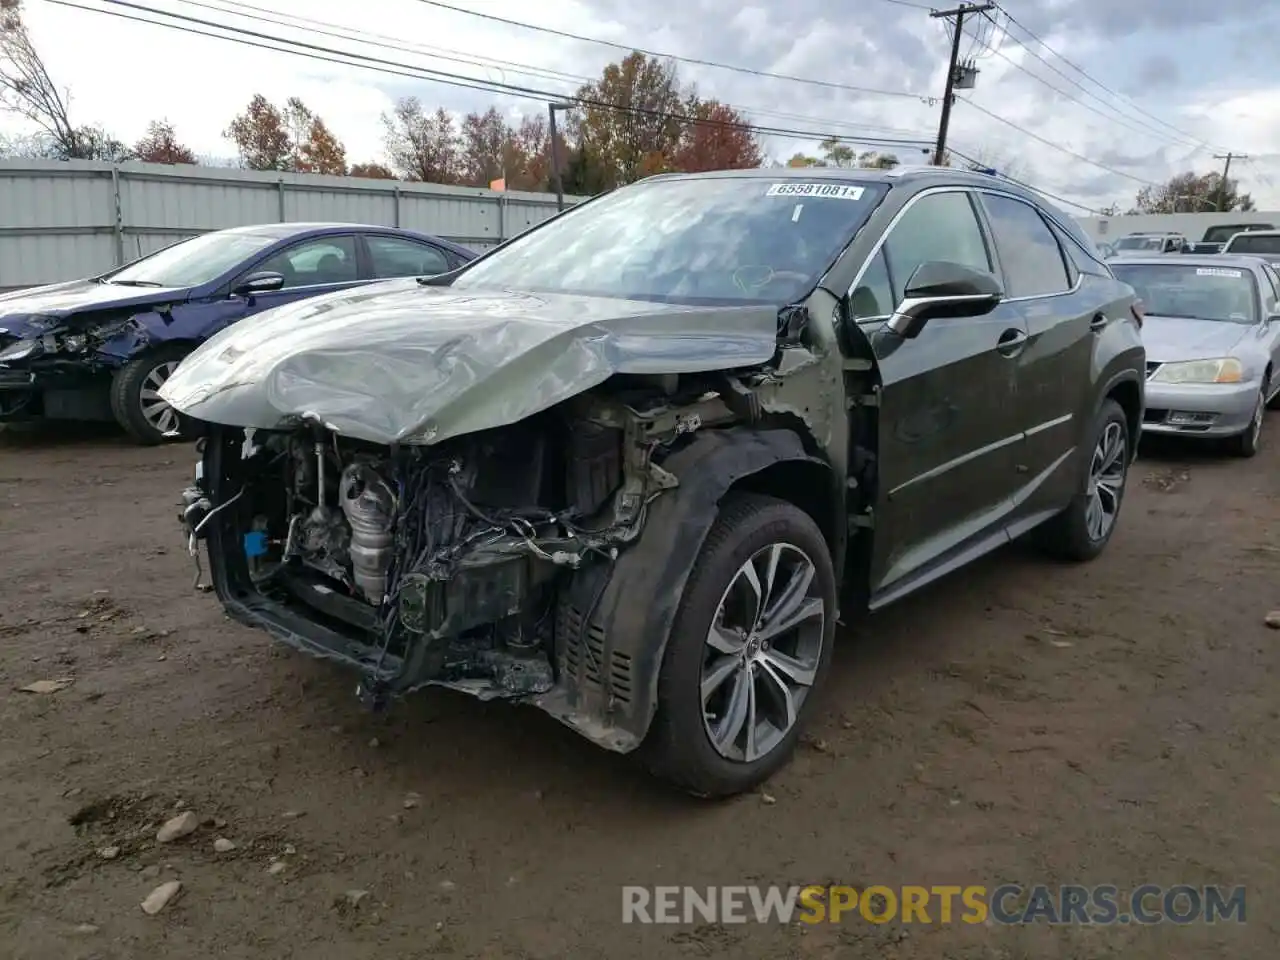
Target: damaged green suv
<point x="633" y="466"/>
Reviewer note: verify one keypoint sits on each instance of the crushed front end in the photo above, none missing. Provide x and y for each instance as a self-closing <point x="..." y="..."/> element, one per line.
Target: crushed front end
<point x="60" y="369"/>
<point x="463" y="564"/>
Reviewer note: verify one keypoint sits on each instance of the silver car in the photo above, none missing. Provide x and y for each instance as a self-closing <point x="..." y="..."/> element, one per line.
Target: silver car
<point x="1212" y="333"/>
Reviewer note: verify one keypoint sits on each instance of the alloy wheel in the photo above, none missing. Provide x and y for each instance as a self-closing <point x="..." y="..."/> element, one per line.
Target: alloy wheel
<point x="1255" y="426"/>
<point x="155" y="411"/>
<point x="1106" y="481"/>
<point x="762" y="652"/>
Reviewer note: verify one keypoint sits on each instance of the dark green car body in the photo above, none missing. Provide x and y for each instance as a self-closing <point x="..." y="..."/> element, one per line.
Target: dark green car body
<point x="951" y="367"/>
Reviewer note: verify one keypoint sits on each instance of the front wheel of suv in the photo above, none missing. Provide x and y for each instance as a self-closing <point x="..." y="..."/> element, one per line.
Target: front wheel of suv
<point x="1083" y="529"/>
<point x="749" y="648"/>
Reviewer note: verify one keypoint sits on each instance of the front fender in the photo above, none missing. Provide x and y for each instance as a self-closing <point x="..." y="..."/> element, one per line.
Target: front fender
<point x="614" y="621"/>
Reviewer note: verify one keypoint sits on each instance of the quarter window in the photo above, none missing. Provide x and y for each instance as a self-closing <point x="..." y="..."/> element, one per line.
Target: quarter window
<point x="313" y="262"/>
<point x="397" y="257"/>
<point x="1029" y="252"/>
<point x="940" y="226"/>
<point x="873" y="296"/>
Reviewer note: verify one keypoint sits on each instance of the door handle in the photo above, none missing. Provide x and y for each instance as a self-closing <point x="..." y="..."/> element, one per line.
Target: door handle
<point x="1011" y="342"/>
<point x="1098" y="323"/>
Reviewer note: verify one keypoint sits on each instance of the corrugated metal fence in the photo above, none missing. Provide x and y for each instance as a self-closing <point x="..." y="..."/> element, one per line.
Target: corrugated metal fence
<point x="63" y="220"/>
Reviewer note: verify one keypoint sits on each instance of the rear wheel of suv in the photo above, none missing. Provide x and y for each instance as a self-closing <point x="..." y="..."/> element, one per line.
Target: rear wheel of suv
<point x="749" y="648"/>
<point x="1083" y="529"/>
<point x="135" y="398"/>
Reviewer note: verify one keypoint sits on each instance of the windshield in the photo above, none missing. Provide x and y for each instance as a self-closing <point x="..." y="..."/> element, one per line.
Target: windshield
<point x="1139" y="243"/>
<point x="1226" y="294"/>
<point x="731" y="240"/>
<point x="192" y="262"/>
<point x="1265" y="243"/>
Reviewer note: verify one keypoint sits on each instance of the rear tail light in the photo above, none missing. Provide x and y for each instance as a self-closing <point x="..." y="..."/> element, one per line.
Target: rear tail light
<point x="1139" y="312"/>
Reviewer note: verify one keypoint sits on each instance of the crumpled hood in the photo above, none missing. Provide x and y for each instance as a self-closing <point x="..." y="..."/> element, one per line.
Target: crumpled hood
<point x="402" y="362"/>
<point x="23" y="312"/>
<point x="1169" y="339"/>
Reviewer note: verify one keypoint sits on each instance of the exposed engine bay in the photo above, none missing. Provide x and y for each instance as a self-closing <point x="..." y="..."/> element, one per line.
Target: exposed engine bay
<point x="446" y="564"/>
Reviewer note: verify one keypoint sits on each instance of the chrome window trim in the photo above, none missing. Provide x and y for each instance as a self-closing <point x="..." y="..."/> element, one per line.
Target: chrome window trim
<point x="958" y="188"/>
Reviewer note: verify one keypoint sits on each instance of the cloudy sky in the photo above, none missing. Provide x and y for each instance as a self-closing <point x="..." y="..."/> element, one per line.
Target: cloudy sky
<point x="1165" y="85"/>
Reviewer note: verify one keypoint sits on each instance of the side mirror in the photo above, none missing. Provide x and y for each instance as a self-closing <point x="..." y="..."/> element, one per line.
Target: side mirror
<point x="938" y="289"/>
<point x="263" y="282"/>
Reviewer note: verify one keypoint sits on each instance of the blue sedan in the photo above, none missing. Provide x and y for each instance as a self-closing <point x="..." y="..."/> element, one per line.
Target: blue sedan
<point x="101" y="348"/>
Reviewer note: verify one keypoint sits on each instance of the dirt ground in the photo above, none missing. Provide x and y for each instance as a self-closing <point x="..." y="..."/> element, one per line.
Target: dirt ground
<point x="1022" y="721"/>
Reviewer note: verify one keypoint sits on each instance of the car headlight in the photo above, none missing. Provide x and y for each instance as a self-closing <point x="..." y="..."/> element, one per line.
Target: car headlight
<point x="1222" y="370"/>
<point x="21" y="350"/>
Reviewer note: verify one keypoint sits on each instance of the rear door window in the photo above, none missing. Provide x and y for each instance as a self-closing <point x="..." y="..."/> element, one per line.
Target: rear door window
<point x="1032" y="259"/>
<point x="400" y="257"/>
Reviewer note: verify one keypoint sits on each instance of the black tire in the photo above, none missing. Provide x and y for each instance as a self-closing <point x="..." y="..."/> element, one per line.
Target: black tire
<point x="1274" y="402"/>
<point x="127" y="395"/>
<point x="678" y="747"/>
<point x="1067" y="535"/>
<point x="1248" y="443"/>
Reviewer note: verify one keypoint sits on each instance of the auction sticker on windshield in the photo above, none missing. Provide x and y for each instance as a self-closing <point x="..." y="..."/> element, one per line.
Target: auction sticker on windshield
<point x="835" y="191"/>
<point x="1218" y="272"/>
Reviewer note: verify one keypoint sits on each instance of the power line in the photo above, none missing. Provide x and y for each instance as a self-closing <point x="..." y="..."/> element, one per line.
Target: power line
<point x="310" y="25"/>
<point x="751" y="71"/>
<point x="1022" y="183"/>
<point x="1057" y="146"/>
<point x="1120" y="119"/>
<point x="1097" y="83"/>
<point x="620" y="46"/>
<point x="328" y="54"/>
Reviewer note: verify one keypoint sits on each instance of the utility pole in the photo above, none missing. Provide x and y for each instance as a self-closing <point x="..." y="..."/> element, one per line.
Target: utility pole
<point x="1226" y="169"/>
<point x="959" y="13"/>
<point x="555" y="152"/>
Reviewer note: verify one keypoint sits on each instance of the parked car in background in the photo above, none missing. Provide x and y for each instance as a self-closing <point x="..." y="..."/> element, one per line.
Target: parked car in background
<point x="101" y="348"/>
<point x="1212" y="333"/>
<point x="1147" y="243"/>
<point x="639" y="458"/>
<point x="1216" y="236"/>
<point x="1256" y="243"/>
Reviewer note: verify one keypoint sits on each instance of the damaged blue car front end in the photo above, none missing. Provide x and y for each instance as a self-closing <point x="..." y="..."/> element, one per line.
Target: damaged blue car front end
<point x="57" y="358"/>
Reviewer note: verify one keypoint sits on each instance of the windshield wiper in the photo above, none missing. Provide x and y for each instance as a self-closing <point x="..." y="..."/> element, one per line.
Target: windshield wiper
<point x="136" y="283"/>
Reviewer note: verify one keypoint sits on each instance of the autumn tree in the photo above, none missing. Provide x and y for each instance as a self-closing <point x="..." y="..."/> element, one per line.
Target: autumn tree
<point x="371" y="171"/>
<point x="422" y="146"/>
<point x="584" y="173"/>
<point x="27" y="89"/>
<point x="875" y="160"/>
<point x="160" y="145"/>
<point x="719" y="138"/>
<point x="532" y="171"/>
<point x="25" y="85"/>
<point x="630" y="116"/>
<point x="260" y="136"/>
<point x="1193" y="193"/>
<point x="320" y="151"/>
